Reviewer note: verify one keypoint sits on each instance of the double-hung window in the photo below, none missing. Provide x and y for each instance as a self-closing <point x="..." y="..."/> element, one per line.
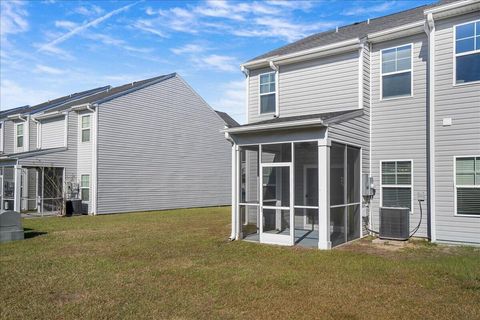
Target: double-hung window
<point x="267" y="92"/>
<point x="85" y="128"/>
<point x="396" y="184"/>
<point x="85" y="187"/>
<point x="397" y="72"/>
<point x="19" y="135"/>
<point x="467" y="185"/>
<point x="467" y="52"/>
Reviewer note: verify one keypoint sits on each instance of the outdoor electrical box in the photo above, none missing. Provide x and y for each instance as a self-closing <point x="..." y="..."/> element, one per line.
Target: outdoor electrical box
<point x="368" y="189"/>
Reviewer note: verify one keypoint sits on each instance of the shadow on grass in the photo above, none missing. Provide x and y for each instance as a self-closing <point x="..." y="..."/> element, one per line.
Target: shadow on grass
<point x="31" y="233"/>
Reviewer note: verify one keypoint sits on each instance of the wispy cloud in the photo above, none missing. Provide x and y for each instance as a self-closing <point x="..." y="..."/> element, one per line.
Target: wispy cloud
<point x="48" y="70"/>
<point x="119" y="43"/>
<point x="13" y="17"/>
<point x="52" y="44"/>
<point x="189" y="48"/>
<point x="359" y="10"/>
<point x="65" y="24"/>
<point x="232" y="99"/>
<point x="89" y="11"/>
<point x="219" y="62"/>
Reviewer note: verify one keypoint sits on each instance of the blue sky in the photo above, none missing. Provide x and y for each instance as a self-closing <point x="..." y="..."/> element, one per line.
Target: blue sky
<point x="51" y="48"/>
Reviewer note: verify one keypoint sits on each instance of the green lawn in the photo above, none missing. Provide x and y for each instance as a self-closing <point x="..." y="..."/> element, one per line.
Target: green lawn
<point x="179" y="265"/>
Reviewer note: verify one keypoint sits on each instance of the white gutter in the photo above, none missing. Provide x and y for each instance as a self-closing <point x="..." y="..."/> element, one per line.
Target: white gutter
<point x="430" y="26"/>
<point x="246" y="72"/>
<point x="276" y="68"/>
<point x="39" y="132"/>
<point x="398" y="32"/>
<point x="16" y="116"/>
<point x="49" y="115"/>
<point x="94" y="157"/>
<point x="281" y="125"/>
<point x="453" y="8"/>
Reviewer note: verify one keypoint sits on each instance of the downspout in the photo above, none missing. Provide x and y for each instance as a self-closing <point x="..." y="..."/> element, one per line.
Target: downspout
<point x="430" y="30"/>
<point x="246" y="72"/>
<point x="233" y="233"/>
<point x="38" y="132"/>
<point x="276" y="68"/>
<point x="94" y="157"/>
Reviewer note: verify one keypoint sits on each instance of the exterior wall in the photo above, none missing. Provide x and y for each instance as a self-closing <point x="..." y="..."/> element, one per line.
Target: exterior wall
<point x="321" y="85"/>
<point x="52" y="133"/>
<point x="85" y="152"/>
<point x="8" y="139"/>
<point x="160" y="148"/>
<point x="33" y="135"/>
<point x="462" y="104"/>
<point x="399" y="128"/>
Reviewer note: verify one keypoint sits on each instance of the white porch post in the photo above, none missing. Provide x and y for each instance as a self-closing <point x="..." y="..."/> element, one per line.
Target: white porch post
<point x="17" y="196"/>
<point x="234" y="235"/>
<point x="324" y="194"/>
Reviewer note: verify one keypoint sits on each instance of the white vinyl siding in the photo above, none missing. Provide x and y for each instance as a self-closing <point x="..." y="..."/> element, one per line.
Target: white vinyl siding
<point x="396" y="66"/>
<point x="467" y="52"/>
<point x="467" y="185"/>
<point x="52" y="133"/>
<point x="396" y="184"/>
<point x="267" y="93"/>
<point x="1" y="136"/>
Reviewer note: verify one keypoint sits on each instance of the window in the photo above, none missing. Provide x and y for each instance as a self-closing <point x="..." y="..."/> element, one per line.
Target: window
<point x="396" y="184"/>
<point x="85" y="187"/>
<point x="19" y="139"/>
<point x="85" y="128"/>
<point x="397" y="72"/>
<point x="467" y="52"/>
<point x="467" y="185"/>
<point x="267" y="93"/>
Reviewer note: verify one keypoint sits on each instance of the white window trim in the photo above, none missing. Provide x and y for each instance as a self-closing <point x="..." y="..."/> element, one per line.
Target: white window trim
<point x="89" y="128"/>
<point x="463" y="186"/>
<point x="89" y="187"/>
<point x="398" y="185"/>
<point x="16" y="136"/>
<point x="455" y="55"/>
<point x="264" y="94"/>
<point x="396" y="72"/>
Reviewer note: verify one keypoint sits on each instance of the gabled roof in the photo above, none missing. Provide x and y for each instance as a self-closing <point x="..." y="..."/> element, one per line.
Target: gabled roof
<point x="357" y="30"/>
<point x="229" y="121"/>
<point x="115" y="92"/>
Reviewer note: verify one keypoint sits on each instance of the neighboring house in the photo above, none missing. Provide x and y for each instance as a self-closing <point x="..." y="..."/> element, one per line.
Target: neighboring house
<point x="396" y="99"/>
<point x="147" y="145"/>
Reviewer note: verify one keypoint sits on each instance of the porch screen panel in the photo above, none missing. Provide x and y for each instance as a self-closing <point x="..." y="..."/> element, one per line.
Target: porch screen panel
<point x="278" y="152"/>
<point x="276" y="186"/>
<point x="337" y="174"/>
<point x="306" y="174"/>
<point x="8" y="188"/>
<point x="249" y="175"/>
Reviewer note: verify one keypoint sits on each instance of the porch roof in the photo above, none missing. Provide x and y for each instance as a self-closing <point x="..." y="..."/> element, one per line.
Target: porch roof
<point x="28" y="154"/>
<point x="285" y="123"/>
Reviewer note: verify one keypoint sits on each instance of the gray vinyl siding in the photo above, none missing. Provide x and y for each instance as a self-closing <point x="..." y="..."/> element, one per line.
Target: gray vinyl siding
<point x="66" y="159"/>
<point x="160" y="148"/>
<point x="52" y="133"/>
<point x="399" y="128"/>
<point x="85" y="152"/>
<point x="33" y="135"/>
<point x="321" y="85"/>
<point x="9" y="143"/>
<point x="462" y="105"/>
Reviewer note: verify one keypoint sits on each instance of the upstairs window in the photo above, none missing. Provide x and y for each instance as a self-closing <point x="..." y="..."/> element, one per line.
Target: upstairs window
<point x="467" y="185"/>
<point x="467" y="52"/>
<point x="267" y="92"/>
<point x="397" y="72"/>
<point x="396" y="184"/>
<point x="19" y="132"/>
<point x="85" y="128"/>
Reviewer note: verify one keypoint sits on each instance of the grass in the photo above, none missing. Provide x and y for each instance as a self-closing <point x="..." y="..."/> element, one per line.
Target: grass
<point x="178" y="265"/>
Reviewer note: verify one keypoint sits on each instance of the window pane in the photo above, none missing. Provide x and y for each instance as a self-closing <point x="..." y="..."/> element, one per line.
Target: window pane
<point x="477" y="46"/>
<point x="467" y="30"/>
<point x="85" y="135"/>
<point x="20" y="129"/>
<point x="85" y="194"/>
<point x="404" y="167"/>
<point x="404" y="64"/>
<point x="264" y="88"/>
<point x="404" y="52"/>
<point x="465" y="165"/>
<point x="468" y="201"/>
<point x="468" y="68"/>
<point x="464" y="45"/>
<point x="388" y="66"/>
<point x="20" y="142"/>
<point x="388" y="55"/>
<point x="279" y="152"/>
<point x="272" y="87"/>
<point x="388" y="167"/>
<point x="86" y="122"/>
<point x="396" y="85"/>
<point x="267" y="103"/>
<point x="264" y="78"/>
<point x="388" y="179"/>
<point x="397" y="197"/>
<point x="337" y="174"/>
<point x="404" y="179"/>
<point x="465" y="179"/>
<point x="85" y="183"/>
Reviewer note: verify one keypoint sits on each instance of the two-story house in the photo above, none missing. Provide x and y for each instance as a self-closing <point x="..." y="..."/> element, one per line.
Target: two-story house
<point x="393" y="100"/>
<point x="146" y="145"/>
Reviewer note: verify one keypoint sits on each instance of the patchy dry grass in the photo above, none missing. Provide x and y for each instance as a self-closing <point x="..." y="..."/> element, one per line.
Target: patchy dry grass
<point x="178" y="265"/>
